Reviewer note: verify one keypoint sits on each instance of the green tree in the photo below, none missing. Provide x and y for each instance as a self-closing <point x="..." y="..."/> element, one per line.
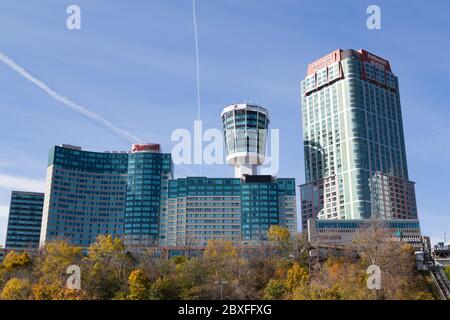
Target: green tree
<point x="193" y="277"/>
<point x="275" y="290"/>
<point x="165" y="288"/>
<point x="447" y="272"/>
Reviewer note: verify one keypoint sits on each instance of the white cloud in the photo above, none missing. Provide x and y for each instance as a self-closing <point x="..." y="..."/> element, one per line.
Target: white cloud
<point x="21" y="183"/>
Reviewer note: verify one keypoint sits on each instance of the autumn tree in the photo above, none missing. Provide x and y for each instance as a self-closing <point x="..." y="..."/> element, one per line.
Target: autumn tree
<point x="338" y="278"/>
<point x="16" y="265"/>
<point x="275" y="290"/>
<point x="165" y="288"/>
<point x="51" y="271"/>
<point x="108" y="266"/>
<point x="280" y="238"/>
<point x="377" y="245"/>
<point x="223" y="264"/>
<point x="16" y="289"/>
<point x="15" y="260"/>
<point x="193" y="278"/>
<point x="295" y="279"/>
<point x="139" y="285"/>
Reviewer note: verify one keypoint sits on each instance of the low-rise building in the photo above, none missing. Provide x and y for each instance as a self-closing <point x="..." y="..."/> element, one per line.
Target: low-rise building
<point x="342" y="232"/>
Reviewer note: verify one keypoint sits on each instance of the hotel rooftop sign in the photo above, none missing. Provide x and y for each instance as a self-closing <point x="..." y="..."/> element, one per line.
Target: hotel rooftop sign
<point x="337" y="55"/>
<point x="376" y="60"/>
<point x="145" y="147"/>
<point x="324" y="61"/>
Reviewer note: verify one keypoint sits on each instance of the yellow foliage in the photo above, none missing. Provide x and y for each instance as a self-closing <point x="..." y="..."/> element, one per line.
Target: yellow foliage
<point x="278" y="234"/>
<point x="139" y="285"/>
<point x="16" y="289"/>
<point x="42" y="291"/>
<point x="296" y="276"/>
<point x="56" y="291"/>
<point x="222" y="250"/>
<point x="105" y="247"/>
<point x="57" y="256"/>
<point x="15" y="260"/>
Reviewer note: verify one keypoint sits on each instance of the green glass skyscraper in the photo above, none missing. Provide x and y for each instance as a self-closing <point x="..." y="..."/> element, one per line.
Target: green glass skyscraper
<point x="118" y="193"/>
<point x="148" y="174"/>
<point x="354" y="147"/>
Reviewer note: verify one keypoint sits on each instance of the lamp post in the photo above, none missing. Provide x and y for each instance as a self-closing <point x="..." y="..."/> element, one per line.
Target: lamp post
<point x="221" y="282"/>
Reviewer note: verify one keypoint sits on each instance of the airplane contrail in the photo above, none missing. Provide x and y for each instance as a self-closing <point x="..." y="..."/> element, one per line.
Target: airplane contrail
<point x="194" y="17"/>
<point x="66" y="101"/>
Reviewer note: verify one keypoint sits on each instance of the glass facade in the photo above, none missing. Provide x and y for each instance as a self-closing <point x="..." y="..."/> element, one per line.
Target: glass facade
<point x="201" y="209"/>
<point x="24" y="223"/>
<point x="147" y="187"/>
<point x="259" y="207"/>
<point x="92" y="193"/>
<point x="245" y="130"/>
<point x="342" y="232"/>
<point x="132" y="195"/>
<point x="353" y="134"/>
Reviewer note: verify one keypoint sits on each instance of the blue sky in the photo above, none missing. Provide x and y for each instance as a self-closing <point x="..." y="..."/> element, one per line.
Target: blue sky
<point x="133" y="62"/>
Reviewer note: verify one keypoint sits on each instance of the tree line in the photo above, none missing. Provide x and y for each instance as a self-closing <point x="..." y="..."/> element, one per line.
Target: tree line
<point x="280" y="268"/>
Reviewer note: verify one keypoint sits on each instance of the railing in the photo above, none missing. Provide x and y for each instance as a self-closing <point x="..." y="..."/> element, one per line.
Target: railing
<point x="439" y="277"/>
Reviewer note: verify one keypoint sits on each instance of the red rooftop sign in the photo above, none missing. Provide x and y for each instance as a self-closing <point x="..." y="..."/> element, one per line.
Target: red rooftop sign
<point x="146" y="147"/>
<point x="376" y="60"/>
<point x="324" y="61"/>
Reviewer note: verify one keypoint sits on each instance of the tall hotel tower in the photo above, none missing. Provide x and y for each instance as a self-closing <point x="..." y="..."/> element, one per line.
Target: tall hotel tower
<point x="355" y="159"/>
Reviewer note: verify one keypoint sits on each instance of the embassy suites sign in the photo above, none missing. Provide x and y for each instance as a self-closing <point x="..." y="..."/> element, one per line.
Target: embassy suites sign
<point x="379" y="62"/>
<point x="336" y="55"/>
<point x="324" y="61"/>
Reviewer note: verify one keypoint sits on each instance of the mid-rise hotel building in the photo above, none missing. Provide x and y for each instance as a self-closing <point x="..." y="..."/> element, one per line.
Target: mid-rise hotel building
<point x="237" y="209"/>
<point x="24" y="221"/>
<point x="117" y="193"/>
